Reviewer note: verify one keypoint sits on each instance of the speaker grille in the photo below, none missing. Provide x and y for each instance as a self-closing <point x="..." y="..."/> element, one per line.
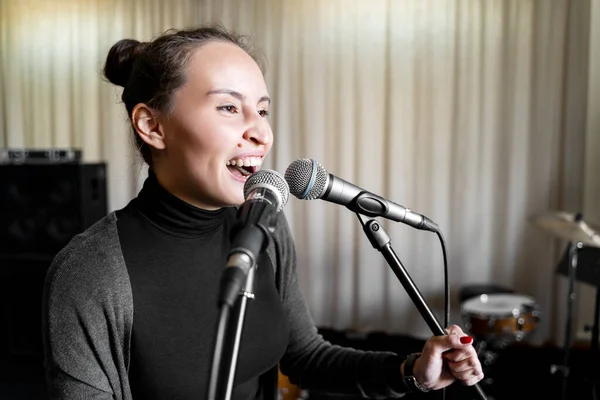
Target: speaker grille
<point x="44" y="206"/>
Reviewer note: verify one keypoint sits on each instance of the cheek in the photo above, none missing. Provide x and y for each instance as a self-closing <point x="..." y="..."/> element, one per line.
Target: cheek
<point x="196" y="139"/>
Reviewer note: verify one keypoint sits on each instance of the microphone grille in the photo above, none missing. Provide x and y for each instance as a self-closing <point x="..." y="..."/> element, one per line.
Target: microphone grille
<point x="306" y="178"/>
<point x="269" y="178"/>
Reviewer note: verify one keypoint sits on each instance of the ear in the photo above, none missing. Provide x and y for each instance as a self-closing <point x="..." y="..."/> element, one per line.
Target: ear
<point x="147" y="126"/>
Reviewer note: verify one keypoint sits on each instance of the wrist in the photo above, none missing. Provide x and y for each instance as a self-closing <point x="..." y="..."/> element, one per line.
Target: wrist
<point x="408" y="374"/>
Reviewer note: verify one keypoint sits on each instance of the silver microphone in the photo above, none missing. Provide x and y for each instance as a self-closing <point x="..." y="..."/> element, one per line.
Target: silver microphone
<point x="308" y="180"/>
<point x="266" y="193"/>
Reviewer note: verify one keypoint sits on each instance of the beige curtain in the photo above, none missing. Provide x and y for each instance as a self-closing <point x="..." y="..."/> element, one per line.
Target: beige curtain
<point x="472" y="112"/>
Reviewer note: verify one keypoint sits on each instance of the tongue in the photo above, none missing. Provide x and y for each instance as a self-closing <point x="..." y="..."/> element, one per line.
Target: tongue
<point x="235" y="170"/>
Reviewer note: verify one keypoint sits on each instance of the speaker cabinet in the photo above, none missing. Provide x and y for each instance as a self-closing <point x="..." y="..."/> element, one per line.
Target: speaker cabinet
<point x="43" y="205"/>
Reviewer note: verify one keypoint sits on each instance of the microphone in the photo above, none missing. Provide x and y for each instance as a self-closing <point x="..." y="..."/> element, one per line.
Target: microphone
<point x="265" y="192"/>
<point x="308" y="180"/>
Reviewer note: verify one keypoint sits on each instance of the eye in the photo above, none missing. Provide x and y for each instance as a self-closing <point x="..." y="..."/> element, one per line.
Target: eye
<point x="229" y="108"/>
<point x="263" y="113"/>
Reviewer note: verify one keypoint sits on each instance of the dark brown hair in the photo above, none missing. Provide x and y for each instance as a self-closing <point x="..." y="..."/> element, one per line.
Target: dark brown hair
<point x="151" y="72"/>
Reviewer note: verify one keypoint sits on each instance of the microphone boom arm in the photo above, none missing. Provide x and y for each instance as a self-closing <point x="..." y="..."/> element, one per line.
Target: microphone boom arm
<point x="381" y="241"/>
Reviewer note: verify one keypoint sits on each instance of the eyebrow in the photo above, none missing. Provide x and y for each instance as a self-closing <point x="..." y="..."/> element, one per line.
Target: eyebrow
<point x="237" y="95"/>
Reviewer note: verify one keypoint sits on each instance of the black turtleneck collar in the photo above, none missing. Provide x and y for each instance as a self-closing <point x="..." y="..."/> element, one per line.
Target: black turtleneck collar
<point x="174" y="215"/>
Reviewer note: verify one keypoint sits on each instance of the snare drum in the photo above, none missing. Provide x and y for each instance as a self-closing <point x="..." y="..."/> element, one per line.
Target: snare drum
<point x="500" y="316"/>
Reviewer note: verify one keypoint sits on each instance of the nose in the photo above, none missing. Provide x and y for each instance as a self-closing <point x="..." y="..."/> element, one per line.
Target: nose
<point x="258" y="131"/>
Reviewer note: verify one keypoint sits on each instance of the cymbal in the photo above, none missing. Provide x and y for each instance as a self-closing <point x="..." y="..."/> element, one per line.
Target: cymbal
<point x="566" y="226"/>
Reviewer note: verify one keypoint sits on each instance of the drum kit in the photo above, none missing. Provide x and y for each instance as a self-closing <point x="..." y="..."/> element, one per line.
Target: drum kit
<point x="498" y="317"/>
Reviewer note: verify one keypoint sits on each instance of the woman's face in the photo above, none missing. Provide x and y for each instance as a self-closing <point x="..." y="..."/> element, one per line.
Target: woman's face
<point x="217" y="133"/>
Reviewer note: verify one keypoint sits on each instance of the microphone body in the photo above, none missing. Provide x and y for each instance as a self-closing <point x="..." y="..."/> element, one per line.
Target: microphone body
<point x="308" y="180"/>
<point x="266" y="192"/>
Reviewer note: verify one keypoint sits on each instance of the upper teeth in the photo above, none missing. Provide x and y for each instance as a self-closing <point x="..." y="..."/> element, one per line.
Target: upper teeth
<point x="246" y="162"/>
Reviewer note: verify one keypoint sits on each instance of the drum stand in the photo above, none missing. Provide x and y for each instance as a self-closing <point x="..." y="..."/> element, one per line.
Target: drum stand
<point x="572" y="228"/>
<point x="594" y="344"/>
<point x="581" y="264"/>
<point x="487" y="354"/>
<point x="563" y="368"/>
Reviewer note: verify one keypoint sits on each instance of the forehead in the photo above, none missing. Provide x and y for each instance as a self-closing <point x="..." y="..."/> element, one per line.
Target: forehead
<point x="217" y="65"/>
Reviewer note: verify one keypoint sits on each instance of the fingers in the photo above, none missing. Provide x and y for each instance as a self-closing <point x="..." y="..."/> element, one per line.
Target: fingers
<point x="463" y="361"/>
<point x="467" y="370"/>
<point x="454" y="329"/>
<point x="453" y="353"/>
<point x="455" y="339"/>
<point x="458" y="339"/>
<point x="461" y="348"/>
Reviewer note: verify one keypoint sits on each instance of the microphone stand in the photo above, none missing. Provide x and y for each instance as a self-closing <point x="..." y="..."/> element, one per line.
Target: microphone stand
<point x="381" y="241"/>
<point x="219" y="363"/>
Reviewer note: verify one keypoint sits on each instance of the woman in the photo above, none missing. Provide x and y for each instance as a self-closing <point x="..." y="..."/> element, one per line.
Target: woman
<point x="130" y="305"/>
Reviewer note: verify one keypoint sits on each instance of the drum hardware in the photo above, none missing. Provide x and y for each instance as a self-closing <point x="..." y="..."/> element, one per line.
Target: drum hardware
<point x="500" y="319"/>
<point x="570" y="227"/>
<point x="286" y="390"/>
<point x="487" y="354"/>
<point x="496" y="316"/>
<point x="586" y="270"/>
<point x="564" y="368"/>
<point x="581" y="262"/>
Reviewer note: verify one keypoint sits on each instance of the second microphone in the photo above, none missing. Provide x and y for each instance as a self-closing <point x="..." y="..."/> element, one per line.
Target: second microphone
<point x="308" y="180"/>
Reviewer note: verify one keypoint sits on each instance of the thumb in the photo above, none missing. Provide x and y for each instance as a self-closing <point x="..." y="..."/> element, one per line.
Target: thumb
<point x="456" y="333"/>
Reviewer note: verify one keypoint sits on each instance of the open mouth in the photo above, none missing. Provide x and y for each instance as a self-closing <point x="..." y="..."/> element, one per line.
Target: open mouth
<point x="245" y="167"/>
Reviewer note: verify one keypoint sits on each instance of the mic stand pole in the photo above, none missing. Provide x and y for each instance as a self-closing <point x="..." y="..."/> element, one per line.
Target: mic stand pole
<point x="381" y="241"/>
<point x="228" y="366"/>
<point x="246" y="294"/>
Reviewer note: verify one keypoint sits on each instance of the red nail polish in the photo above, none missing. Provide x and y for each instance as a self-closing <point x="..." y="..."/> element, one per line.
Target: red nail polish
<point x="466" y="339"/>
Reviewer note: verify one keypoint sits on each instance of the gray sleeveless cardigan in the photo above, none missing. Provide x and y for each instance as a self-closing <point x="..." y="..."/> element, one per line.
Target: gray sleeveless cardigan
<point x="88" y="317"/>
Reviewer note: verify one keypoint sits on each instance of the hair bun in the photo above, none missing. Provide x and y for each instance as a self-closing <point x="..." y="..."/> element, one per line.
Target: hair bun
<point x="120" y="60"/>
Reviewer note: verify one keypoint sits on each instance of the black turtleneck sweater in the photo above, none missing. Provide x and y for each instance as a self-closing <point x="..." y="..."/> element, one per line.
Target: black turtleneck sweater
<point x="130" y="313"/>
<point x="175" y="254"/>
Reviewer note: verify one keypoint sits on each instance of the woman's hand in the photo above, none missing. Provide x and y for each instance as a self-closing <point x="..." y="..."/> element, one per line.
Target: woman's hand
<point x="448" y="358"/>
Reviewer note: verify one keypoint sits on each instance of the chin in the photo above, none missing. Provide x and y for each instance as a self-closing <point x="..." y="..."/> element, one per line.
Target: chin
<point x="234" y="200"/>
<point x="235" y="194"/>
